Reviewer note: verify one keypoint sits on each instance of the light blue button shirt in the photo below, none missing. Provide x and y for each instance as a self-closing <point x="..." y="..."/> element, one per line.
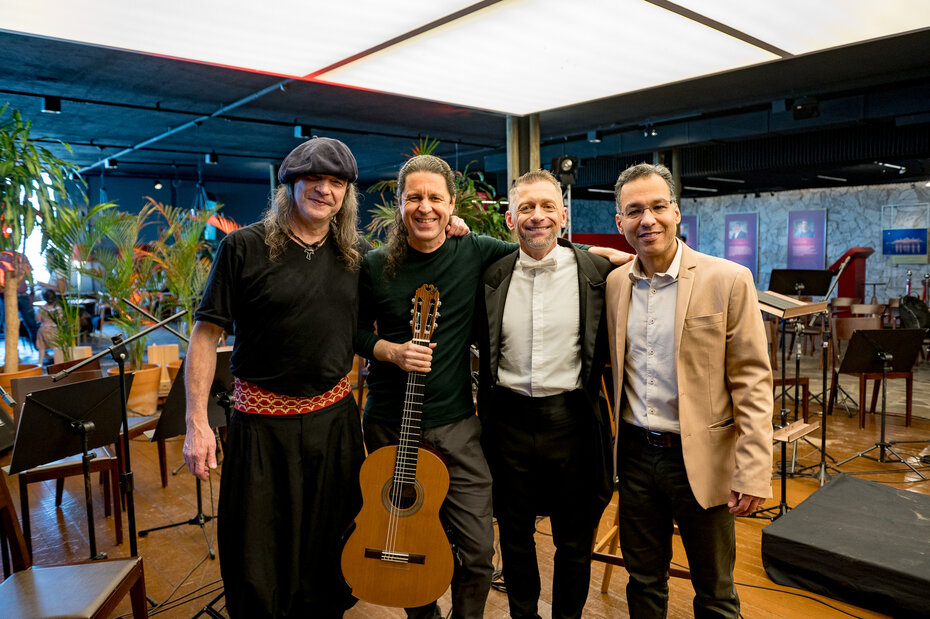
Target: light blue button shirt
<point x="650" y="378"/>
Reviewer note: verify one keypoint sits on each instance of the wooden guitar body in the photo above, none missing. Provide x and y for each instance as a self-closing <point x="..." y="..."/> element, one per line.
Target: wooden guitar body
<point x="398" y="554"/>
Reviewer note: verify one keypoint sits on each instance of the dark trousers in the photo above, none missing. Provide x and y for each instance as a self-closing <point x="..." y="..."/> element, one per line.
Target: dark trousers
<point x="654" y="493"/>
<point x="466" y="510"/>
<point x="538" y="448"/>
<point x="288" y="493"/>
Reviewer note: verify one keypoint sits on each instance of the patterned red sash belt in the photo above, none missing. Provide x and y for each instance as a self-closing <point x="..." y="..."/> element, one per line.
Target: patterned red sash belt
<point x="250" y="398"/>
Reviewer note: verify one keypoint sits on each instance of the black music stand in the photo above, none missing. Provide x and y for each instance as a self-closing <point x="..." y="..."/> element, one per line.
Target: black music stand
<point x="816" y="283"/>
<point x="882" y="351"/>
<point x="64" y="421"/>
<point x="173" y="423"/>
<point x="799" y="282"/>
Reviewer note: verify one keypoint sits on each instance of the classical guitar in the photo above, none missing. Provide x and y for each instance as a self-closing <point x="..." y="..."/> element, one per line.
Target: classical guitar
<point x="398" y="554"/>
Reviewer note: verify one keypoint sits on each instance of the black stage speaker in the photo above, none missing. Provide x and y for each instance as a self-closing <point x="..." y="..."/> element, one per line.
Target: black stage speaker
<point x="857" y="541"/>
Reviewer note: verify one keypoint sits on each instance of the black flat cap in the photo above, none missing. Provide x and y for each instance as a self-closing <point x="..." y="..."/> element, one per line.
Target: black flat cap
<point x="319" y="156"/>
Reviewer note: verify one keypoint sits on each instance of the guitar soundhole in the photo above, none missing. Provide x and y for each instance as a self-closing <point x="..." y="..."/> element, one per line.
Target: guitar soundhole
<point x="404" y="496"/>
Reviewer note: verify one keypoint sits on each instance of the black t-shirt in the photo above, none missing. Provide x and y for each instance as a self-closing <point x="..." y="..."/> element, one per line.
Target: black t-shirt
<point x="294" y="320"/>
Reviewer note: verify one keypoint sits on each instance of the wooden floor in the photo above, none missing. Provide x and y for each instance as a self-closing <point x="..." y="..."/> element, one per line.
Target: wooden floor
<point x="181" y="578"/>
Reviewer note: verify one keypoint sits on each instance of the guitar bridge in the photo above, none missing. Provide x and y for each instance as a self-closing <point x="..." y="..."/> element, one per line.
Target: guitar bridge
<point x="394" y="556"/>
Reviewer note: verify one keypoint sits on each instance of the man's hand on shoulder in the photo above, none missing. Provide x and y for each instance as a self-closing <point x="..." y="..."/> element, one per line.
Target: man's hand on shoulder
<point x="457" y="227"/>
<point x="615" y="256"/>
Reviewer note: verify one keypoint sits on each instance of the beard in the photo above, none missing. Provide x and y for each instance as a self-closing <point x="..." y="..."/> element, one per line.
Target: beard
<point x="538" y="242"/>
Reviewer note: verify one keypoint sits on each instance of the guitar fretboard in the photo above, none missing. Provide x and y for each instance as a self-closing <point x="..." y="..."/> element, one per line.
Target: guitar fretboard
<point x="405" y="469"/>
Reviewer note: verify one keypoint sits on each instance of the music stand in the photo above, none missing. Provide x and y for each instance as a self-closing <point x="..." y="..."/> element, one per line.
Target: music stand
<point x="820" y="283"/>
<point x="50" y="429"/>
<point x="787" y="308"/>
<point x="812" y="282"/>
<point x="173" y="423"/>
<point x="882" y="351"/>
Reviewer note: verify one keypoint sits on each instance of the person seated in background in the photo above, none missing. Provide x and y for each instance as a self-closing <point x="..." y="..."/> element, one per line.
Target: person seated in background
<point x="48" y="330"/>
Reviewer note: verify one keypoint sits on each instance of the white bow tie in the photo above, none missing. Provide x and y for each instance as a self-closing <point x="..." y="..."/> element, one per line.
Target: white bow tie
<point x="546" y="264"/>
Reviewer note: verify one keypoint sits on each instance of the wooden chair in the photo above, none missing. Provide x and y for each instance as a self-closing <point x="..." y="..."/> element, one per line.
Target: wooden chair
<point x="92" y="589"/>
<point x="867" y="309"/>
<point x="162" y="356"/>
<point x="790" y="386"/>
<point x="891" y="316"/>
<point x="841" y="305"/>
<point x="842" y="331"/>
<point x="104" y="463"/>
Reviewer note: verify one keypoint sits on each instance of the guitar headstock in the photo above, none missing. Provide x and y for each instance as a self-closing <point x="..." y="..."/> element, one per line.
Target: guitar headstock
<point x="425" y="312"/>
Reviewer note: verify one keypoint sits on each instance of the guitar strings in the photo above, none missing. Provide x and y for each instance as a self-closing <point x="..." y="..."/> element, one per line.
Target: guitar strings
<point x="405" y="466"/>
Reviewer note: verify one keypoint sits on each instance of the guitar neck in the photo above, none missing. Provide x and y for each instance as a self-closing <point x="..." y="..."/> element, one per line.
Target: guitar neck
<point x="406" y="466"/>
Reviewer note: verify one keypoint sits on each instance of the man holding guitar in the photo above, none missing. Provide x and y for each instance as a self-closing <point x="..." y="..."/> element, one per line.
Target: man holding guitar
<point x="546" y="438"/>
<point x="419" y="252"/>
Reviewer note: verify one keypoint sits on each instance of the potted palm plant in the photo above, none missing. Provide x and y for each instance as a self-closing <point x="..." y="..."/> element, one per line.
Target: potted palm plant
<point x="32" y="184"/>
<point x="70" y="236"/>
<point x="125" y="270"/>
<point x="180" y="257"/>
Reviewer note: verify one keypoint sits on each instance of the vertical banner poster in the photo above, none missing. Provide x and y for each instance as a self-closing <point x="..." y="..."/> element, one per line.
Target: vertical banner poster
<point x="741" y="243"/>
<point x="688" y="230"/>
<point x="807" y="239"/>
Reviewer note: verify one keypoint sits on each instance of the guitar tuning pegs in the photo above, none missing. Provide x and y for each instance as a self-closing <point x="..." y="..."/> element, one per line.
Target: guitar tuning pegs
<point x="412" y="300"/>
<point x="438" y="314"/>
<point x="411" y="311"/>
<point x="438" y="303"/>
<point x="411" y="323"/>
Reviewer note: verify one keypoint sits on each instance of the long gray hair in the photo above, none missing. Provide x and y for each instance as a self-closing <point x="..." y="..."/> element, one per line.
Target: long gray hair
<point x="277" y="218"/>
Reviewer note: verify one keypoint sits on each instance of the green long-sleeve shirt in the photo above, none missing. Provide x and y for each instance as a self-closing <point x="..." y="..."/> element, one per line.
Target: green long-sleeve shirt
<point x="455" y="269"/>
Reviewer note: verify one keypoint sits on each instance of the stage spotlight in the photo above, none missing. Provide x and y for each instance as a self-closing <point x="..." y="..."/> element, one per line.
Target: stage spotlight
<point x="211" y="158"/>
<point x="158" y="185"/>
<point x="564" y="168"/>
<point x="653" y="132"/>
<point x="51" y="105"/>
<point x="806" y="107"/>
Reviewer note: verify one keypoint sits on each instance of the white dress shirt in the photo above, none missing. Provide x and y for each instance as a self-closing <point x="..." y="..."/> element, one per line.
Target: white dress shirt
<point x="650" y="377"/>
<point x="540" y="344"/>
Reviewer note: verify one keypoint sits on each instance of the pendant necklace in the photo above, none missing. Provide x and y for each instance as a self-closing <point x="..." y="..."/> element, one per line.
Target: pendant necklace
<point x="309" y="248"/>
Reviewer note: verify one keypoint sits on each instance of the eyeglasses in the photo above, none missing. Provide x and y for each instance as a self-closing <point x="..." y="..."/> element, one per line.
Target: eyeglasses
<point x="636" y="212"/>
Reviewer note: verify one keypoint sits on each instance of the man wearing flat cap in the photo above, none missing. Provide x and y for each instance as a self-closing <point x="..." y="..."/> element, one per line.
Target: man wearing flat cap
<point x="286" y="287"/>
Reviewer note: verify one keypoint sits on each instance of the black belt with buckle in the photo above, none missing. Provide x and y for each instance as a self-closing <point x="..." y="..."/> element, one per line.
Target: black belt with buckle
<point x="652" y="437"/>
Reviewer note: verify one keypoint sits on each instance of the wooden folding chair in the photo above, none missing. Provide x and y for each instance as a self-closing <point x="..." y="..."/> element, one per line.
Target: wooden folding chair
<point x="92" y="589"/>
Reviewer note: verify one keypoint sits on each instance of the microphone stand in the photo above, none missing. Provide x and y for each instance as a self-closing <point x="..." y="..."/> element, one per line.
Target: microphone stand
<point x="118" y="352"/>
<point x="199" y="518"/>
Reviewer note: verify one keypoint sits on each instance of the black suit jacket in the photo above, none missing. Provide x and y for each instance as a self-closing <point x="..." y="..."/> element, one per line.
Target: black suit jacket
<point x="592" y="282"/>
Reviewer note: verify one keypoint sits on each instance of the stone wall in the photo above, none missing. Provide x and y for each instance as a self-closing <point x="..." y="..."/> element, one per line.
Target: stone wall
<point x="854" y="219"/>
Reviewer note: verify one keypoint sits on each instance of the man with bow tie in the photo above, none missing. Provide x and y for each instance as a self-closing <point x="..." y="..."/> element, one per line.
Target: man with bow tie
<point x="546" y="437"/>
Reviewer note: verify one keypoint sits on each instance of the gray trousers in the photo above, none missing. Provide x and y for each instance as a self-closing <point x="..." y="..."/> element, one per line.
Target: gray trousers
<point x="466" y="510"/>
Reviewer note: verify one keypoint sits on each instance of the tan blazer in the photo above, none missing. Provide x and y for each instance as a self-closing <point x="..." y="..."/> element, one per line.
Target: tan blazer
<point x="725" y="400"/>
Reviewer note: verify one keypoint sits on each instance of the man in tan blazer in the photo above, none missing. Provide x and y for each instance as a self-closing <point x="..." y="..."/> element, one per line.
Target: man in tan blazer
<point x="694" y="401"/>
